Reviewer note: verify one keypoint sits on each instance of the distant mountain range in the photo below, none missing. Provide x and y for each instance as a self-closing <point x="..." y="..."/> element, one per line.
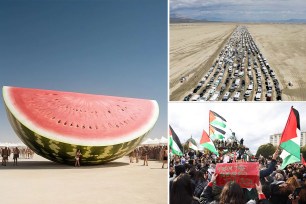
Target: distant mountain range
<point x="294" y="21"/>
<point x="179" y="19"/>
<point x="185" y="20"/>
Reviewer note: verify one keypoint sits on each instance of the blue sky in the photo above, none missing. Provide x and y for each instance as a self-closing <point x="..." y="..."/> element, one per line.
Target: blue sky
<point x="109" y="47"/>
<point x="239" y="10"/>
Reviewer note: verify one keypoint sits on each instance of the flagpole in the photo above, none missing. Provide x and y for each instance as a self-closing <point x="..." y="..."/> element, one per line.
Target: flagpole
<point x="209" y="126"/>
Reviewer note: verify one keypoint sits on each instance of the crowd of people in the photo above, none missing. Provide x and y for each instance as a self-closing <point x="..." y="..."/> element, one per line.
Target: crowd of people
<point x="192" y="181"/>
<point x="15" y="153"/>
<point x="149" y="153"/>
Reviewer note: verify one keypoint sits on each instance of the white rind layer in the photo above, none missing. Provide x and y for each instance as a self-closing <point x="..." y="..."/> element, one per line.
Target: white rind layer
<point x="70" y="140"/>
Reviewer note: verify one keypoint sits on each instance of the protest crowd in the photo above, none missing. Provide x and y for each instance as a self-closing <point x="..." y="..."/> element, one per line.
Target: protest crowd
<point x="226" y="172"/>
<point x="192" y="180"/>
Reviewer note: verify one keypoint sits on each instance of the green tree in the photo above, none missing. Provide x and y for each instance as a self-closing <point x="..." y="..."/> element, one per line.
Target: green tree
<point x="265" y="150"/>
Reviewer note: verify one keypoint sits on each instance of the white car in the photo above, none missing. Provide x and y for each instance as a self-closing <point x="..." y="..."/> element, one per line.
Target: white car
<point x="247" y="93"/>
<point x="237" y="96"/>
<point x="211" y="92"/>
<point x="258" y="97"/>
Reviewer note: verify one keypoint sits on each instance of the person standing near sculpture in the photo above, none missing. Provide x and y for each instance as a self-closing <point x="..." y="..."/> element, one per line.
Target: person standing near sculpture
<point x="145" y="156"/>
<point x="78" y="155"/>
<point x="4" y="154"/>
<point x="16" y="155"/>
<point x="131" y="156"/>
<point x="136" y="153"/>
<point x="165" y="156"/>
<point x="241" y="141"/>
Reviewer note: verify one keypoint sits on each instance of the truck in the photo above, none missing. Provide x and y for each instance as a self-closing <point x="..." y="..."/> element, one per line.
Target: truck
<point x="195" y="97"/>
<point x="215" y="96"/>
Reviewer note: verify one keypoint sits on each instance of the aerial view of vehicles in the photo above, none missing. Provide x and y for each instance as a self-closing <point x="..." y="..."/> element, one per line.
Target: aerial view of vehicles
<point x="239" y="73"/>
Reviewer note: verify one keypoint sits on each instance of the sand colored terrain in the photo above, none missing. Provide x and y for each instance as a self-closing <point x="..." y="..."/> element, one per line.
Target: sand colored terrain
<point x="194" y="47"/>
<point x="284" y="46"/>
<point x="38" y="180"/>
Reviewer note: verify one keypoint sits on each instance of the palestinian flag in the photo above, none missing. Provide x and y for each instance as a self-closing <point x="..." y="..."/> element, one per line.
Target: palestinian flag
<point x="290" y="139"/>
<point x="175" y="143"/>
<point x="192" y="146"/>
<point x="216" y="133"/>
<point x="207" y="143"/>
<point x="217" y="125"/>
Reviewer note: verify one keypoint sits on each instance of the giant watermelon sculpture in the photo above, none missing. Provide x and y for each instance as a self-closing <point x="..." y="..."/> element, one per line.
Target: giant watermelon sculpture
<point x="55" y="124"/>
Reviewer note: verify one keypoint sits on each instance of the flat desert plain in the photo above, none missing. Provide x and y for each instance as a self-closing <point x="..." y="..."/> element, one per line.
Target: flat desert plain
<point x="38" y="180"/>
<point x="195" y="46"/>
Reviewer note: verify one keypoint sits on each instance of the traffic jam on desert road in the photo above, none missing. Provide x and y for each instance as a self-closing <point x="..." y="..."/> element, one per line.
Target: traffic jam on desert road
<point x="240" y="73"/>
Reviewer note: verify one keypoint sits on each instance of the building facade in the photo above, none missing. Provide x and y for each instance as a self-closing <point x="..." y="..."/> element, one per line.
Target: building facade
<point x="274" y="139"/>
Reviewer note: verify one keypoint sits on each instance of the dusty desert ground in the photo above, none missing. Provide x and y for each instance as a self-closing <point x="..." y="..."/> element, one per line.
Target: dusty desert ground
<point x="194" y="47"/>
<point x="41" y="181"/>
<point x="284" y="45"/>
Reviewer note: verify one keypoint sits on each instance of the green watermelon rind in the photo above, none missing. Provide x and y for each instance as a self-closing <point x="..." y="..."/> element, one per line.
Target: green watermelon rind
<point x="65" y="153"/>
<point x="102" y="142"/>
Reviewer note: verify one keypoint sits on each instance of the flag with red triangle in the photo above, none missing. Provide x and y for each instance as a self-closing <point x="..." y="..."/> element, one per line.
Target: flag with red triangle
<point x="290" y="139"/>
<point x="207" y="143"/>
<point x="217" y="126"/>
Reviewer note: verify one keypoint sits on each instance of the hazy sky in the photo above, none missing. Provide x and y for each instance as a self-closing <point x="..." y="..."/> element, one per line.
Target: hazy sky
<point x="254" y="122"/>
<point x="109" y="47"/>
<point x="239" y="10"/>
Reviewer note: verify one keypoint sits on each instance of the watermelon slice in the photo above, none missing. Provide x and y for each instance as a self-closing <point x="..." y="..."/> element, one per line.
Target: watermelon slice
<point x="55" y="124"/>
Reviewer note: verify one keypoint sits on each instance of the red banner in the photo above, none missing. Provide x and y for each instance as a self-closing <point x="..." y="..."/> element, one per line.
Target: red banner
<point x="245" y="174"/>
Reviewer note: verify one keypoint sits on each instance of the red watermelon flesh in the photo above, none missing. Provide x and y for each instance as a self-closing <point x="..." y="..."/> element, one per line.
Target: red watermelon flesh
<point x="78" y="118"/>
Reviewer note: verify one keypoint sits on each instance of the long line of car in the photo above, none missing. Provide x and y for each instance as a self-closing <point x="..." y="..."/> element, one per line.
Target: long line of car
<point x="240" y="73"/>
